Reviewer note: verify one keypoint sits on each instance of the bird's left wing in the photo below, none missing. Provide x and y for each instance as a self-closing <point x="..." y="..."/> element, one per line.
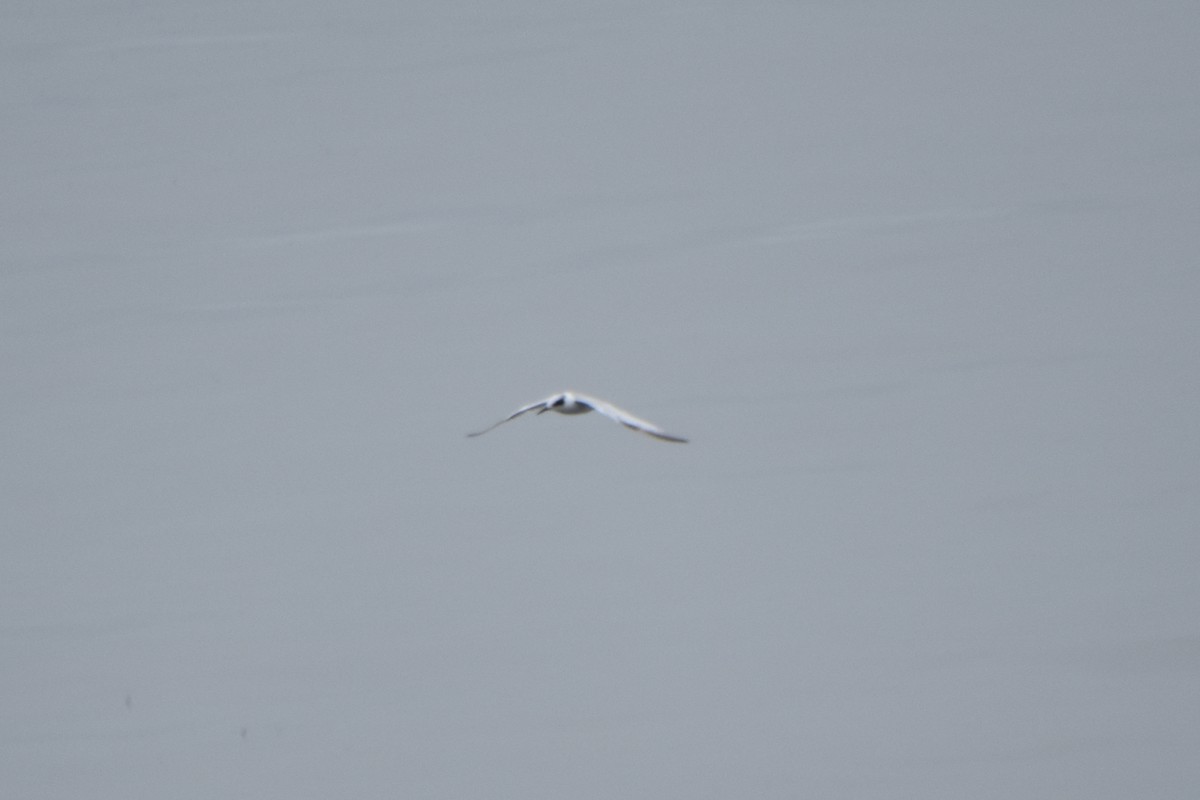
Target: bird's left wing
<point x="629" y="420"/>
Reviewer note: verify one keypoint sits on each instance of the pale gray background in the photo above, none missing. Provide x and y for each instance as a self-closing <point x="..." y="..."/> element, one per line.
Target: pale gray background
<point x="918" y="278"/>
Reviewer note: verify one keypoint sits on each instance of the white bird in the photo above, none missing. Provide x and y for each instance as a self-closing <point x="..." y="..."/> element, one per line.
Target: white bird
<point x="574" y="403"/>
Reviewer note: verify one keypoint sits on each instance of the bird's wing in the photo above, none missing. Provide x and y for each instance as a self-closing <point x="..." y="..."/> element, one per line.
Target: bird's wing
<point x="514" y="415"/>
<point x="627" y="419"/>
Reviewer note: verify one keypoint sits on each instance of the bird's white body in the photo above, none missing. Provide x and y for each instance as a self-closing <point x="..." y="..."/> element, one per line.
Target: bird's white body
<point x="570" y="404"/>
<point x="575" y="403"/>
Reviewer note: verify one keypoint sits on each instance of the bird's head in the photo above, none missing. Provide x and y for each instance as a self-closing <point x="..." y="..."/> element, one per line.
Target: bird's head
<point x="557" y="402"/>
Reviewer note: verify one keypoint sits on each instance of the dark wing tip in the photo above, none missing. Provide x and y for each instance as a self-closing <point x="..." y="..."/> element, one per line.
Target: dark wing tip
<point x="657" y="434"/>
<point x="485" y="430"/>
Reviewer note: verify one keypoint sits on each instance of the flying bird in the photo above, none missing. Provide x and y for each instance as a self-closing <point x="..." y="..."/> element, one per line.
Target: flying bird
<point x="574" y="403"/>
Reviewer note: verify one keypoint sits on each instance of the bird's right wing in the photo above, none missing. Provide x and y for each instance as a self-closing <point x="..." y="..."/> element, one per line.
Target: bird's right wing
<point x="514" y="415"/>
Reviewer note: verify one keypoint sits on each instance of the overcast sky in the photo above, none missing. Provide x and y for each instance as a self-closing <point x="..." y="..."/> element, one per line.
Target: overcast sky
<point x="918" y="281"/>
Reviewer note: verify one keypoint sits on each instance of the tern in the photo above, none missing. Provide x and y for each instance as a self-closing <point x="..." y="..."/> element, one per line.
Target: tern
<point x="575" y="403"/>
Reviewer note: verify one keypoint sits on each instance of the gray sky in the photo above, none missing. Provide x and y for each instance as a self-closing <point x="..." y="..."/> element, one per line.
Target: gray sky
<point x="918" y="281"/>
